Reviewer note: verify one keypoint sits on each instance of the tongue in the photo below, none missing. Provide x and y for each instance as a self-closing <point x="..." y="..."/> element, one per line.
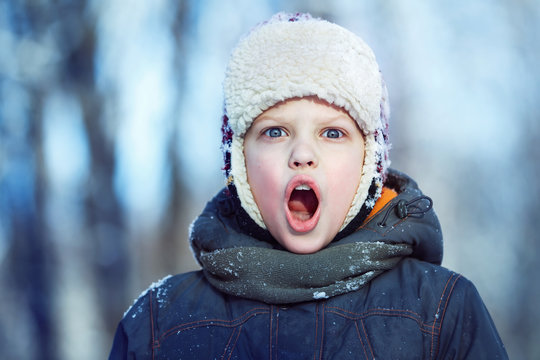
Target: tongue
<point x="303" y="204"/>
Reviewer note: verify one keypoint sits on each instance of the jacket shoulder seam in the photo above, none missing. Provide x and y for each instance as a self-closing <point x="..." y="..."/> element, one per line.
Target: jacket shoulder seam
<point x="360" y="338"/>
<point x="238" y="321"/>
<point x="424" y="327"/>
<point x="445" y="297"/>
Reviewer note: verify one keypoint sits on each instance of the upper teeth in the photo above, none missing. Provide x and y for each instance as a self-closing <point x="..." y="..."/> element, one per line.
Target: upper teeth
<point x="302" y="187"/>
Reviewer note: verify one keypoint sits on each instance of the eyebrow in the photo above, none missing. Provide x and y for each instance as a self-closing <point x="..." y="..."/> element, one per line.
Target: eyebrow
<point x="341" y="117"/>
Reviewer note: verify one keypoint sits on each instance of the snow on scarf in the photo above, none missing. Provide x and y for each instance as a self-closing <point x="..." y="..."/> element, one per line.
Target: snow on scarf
<point x="281" y="277"/>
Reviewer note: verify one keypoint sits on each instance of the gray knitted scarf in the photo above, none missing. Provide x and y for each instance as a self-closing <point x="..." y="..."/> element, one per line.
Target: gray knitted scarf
<point x="280" y="277"/>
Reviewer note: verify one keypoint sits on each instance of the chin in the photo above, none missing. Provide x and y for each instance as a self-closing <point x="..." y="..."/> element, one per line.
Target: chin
<point x="304" y="244"/>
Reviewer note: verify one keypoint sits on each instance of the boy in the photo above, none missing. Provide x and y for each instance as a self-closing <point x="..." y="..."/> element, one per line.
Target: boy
<point x="315" y="249"/>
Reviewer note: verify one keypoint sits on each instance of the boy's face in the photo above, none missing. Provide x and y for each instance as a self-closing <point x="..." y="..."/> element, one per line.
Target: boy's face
<point x="304" y="162"/>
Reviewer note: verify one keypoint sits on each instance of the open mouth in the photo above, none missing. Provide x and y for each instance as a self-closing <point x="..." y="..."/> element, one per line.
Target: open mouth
<point x="302" y="203"/>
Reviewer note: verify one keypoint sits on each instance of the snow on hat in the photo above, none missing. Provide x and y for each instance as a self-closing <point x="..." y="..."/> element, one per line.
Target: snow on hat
<point x="293" y="56"/>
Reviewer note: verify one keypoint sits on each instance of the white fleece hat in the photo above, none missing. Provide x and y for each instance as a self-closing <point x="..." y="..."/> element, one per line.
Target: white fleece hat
<point x="293" y="56"/>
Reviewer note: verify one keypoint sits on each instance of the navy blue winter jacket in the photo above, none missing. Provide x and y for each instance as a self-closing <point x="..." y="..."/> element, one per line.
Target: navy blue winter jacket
<point x="416" y="310"/>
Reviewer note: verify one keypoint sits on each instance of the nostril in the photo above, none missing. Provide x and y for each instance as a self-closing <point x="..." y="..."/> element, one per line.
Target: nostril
<point x="301" y="164"/>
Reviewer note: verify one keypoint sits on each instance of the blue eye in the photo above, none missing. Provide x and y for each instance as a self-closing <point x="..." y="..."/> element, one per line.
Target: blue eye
<point x="275" y="132"/>
<point x="333" y="133"/>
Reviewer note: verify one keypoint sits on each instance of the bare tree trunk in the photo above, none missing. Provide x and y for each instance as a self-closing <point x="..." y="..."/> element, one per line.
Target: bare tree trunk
<point x="31" y="267"/>
<point x="525" y="317"/>
<point x="171" y="241"/>
<point x="103" y="214"/>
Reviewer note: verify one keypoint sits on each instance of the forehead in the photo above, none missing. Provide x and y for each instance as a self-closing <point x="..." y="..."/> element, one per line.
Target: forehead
<point x="299" y="105"/>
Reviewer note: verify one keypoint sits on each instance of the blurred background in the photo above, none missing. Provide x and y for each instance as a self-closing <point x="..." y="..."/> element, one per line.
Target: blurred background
<point x="109" y="147"/>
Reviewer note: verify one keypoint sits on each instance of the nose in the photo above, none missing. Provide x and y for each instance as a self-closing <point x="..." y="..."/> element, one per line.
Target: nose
<point x="303" y="155"/>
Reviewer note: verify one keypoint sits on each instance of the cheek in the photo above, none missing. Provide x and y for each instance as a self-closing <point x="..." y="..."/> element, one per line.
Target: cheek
<point x="343" y="188"/>
<point x="264" y="181"/>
